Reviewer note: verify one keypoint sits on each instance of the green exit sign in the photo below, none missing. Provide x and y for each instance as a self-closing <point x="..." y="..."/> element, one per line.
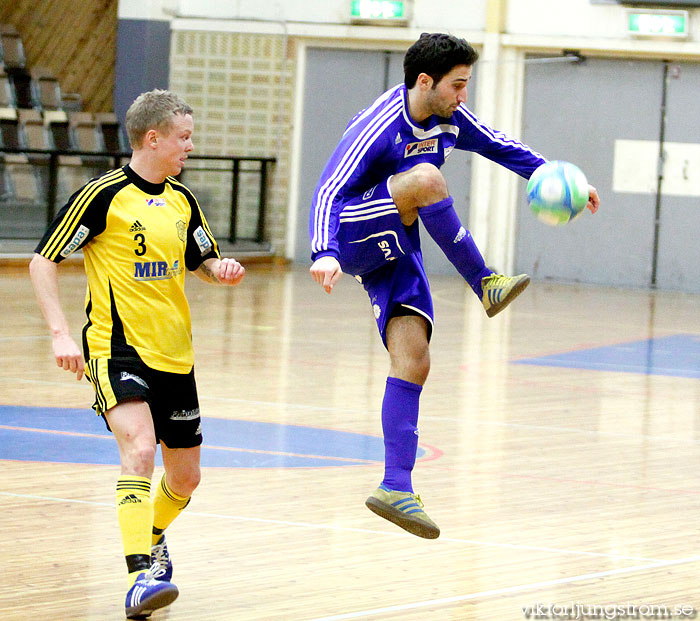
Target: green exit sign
<point x="657" y="23"/>
<point x="379" y="11"/>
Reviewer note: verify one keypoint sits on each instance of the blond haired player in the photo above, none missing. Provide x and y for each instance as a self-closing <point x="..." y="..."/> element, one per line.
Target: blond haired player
<point x="139" y="229"/>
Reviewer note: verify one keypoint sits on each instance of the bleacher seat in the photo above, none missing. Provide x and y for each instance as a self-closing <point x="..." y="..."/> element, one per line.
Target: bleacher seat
<point x="71" y="102"/>
<point x="32" y="126"/>
<point x="22" y="199"/>
<point x="11" y="48"/>
<point x="7" y="90"/>
<point x="47" y="89"/>
<point x="36" y="115"/>
<point x="71" y="173"/>
<point x="111" y="132"/>
<point x="7" y="137"/>
<point x="35" y="136"/>
<point x="24" y="88"/>
<point x="86" y="134"/>
<point x="20" y="178"/>
<point x="15" y="64"/>
<point x="9" y="129"/>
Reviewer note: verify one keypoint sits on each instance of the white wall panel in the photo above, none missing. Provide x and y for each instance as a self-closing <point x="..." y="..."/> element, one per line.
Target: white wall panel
<point x="636" y="167"/>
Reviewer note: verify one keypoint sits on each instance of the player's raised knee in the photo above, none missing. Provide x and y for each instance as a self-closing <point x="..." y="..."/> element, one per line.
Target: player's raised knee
<point x="430" y="185"/>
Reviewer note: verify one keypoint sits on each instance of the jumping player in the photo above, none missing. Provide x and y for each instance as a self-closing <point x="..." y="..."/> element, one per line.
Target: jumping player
<point x="139" y="229"/>
<point x="382" y="177"/>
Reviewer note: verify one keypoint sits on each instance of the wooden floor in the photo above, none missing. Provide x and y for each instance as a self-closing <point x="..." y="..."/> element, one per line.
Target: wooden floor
<point x="553" y="486"/>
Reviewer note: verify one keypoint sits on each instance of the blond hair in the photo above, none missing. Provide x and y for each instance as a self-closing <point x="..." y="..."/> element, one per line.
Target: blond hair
<point x="153" y="110"/>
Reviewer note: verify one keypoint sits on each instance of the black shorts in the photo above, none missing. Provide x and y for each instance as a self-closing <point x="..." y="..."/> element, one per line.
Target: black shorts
<point x="172" y="397"/>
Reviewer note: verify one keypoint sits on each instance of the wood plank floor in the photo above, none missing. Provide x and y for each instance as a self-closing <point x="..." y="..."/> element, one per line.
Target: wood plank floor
<point x="554" y="486"/>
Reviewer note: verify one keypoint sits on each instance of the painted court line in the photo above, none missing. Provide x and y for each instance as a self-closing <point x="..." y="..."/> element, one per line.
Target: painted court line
<point x="506" y="590"/>
<point x="365" y="531"/>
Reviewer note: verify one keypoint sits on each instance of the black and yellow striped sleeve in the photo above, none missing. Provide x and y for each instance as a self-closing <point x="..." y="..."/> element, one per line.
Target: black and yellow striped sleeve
<point x="82" y="217"/>
<point x="201" y="244"/>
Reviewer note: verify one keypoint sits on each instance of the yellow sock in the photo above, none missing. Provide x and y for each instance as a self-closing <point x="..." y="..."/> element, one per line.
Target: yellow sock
<point x="166" y="507"/>
<point x="135" y="513"/>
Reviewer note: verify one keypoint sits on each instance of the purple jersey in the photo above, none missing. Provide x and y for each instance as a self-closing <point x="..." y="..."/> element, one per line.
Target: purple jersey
<point x="383" y="140"/>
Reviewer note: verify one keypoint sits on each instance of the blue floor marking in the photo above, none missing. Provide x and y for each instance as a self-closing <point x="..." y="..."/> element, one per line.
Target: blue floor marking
<point x="52" y="435"/>
<point x="676" y="356"/>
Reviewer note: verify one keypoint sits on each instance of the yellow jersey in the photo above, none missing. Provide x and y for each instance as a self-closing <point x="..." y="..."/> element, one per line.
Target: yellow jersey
<point x="137" y="239"/>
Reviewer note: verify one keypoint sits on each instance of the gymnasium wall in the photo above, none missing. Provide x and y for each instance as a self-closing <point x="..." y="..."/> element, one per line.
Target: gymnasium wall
<point x="142" y="60"/>
<point x="468" y="14"/>
<point x="242" y="64"/>
<point x="241" y="86"/>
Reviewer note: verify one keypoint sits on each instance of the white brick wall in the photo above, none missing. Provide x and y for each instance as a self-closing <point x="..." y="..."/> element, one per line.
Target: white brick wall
<point x="241" y="88"/>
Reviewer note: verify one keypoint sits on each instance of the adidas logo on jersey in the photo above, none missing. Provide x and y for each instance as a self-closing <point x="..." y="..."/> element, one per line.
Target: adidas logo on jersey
<point x="136" y="226"/>
<point x="131" y="498"/>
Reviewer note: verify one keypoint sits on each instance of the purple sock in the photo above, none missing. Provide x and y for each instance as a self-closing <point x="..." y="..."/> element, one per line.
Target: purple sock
<point x="399" y="422"/>
<point x="442" y="222"/>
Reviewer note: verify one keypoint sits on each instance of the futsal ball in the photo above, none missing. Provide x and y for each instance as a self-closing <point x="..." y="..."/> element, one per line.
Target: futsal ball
<point x="557" y="192"/>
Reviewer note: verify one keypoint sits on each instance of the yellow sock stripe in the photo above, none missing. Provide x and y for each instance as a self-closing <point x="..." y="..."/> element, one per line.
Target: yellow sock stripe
<point x="132" y="482"/>
<point x="75" y="211"/>
<point x="134" y="486"/>
<point x="171" y="494"/>
<point x="167" y="505"/>
<point x="133" y="477"/>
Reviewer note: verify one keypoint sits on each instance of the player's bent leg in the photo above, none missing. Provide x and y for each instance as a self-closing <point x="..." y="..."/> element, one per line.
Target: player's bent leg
<point x="182" y="466"/>
<point x="422" y="191"/>
<point x="415" y="188"/>
<point x="173" y="494"/>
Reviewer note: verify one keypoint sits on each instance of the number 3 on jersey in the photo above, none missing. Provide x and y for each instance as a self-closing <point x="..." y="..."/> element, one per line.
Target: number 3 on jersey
<point x="140" y="240"/>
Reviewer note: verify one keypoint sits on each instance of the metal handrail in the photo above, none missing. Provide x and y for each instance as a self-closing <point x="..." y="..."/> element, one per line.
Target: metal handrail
<point x="118" y="156"/>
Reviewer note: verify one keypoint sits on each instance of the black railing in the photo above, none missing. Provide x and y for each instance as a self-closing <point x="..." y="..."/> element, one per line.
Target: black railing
<point x="109" y="159"/>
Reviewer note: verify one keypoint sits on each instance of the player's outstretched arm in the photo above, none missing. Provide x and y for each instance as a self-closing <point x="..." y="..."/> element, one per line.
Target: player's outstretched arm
<point x="593" y="199"/>
<point x="326" y="272"/>
<point x="44" y="276"/>
<point x="221" y="271"/>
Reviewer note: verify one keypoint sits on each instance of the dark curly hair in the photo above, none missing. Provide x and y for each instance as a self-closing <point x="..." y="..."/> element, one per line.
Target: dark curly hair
<point x="435" y="54"/>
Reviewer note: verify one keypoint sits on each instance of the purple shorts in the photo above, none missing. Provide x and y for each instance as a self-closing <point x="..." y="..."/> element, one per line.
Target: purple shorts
<point x="385" y="257"/>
